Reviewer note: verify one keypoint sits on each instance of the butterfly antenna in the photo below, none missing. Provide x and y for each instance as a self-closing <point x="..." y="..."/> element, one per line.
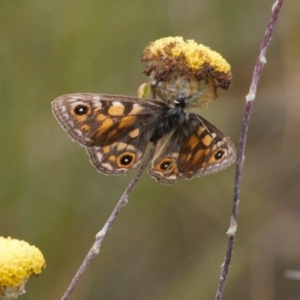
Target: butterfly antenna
<point x="154" y="86"/>
<point x="211" y="134"/>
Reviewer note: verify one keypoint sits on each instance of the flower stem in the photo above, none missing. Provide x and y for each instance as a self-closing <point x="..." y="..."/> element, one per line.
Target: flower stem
<point x="261" y="60"/>
<point x="102" y="233"/>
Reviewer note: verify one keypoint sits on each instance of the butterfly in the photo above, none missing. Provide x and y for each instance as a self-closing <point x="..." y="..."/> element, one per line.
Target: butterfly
<point x="116" y="131"/>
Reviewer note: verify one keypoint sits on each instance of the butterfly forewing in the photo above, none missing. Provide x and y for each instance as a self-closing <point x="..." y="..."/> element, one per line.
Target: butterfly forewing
<point x="111" y="127"/>
<point x="206" y="151"/>
<point x="99" y="120"/>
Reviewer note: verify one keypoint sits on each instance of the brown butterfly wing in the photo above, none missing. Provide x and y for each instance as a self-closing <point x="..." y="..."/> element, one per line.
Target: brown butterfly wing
<point x="113" y="128"/>
<point x="100" y="120"/>
<point x="196" y="148"/>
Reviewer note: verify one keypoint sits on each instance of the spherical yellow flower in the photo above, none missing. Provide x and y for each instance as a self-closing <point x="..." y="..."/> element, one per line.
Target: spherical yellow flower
<point x="18" y="262"/>
<point x="181" y="68"/>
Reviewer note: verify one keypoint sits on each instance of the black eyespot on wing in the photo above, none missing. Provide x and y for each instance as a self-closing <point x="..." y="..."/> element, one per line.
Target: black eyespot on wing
<point x="81" y="110"/>
<point x="219" y="154"/>
<point x="165" y="165"/>
<point x="126" y="160"/>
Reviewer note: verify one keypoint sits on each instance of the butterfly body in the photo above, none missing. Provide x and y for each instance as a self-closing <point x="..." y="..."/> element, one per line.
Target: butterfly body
<point x="117" y="129"/>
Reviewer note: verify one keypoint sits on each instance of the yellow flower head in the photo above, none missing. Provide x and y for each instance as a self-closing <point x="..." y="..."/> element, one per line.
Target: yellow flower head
<point x="18" y="262"/>
<point x="186" y="67"/>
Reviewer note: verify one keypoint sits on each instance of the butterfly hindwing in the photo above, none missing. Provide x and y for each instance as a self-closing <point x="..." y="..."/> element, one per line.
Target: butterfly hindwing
<point x="119" y="157"/>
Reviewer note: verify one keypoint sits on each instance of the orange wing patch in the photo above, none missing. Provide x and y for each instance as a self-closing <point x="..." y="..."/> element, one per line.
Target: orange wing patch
<point x="117" y="109"/>
<point x="207" y="140"/>
<point x="104" y="126"/>
<point x="85" y="127"/>
<point x="127" y="121"/>
<point x="106" y="149"/>
<point x="134" y="133"/>
<point x="198" y="155"/>
<point x="101" y="117"/>
<point x="193" y="141"/>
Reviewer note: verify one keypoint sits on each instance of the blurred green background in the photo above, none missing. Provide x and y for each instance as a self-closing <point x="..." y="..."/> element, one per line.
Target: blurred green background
<point x="169" y="241"/>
